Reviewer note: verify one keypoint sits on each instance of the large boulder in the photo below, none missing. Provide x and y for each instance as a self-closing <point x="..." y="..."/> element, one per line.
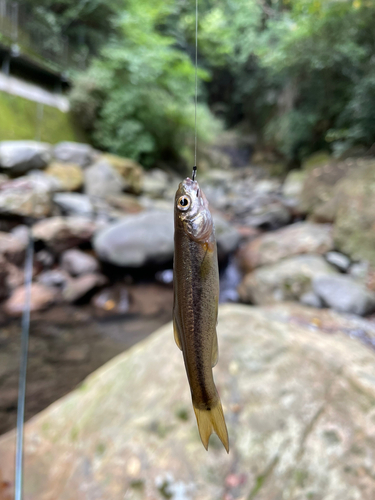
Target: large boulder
<point x="299" y="238"/>
<point x="299" y="406"/>
<point x="61" y="233"/>
<point x="344" y="294"/>
<point x="354" y="229"/>
<point x="317" y="196"/>
<point x="74" y="152"/>
<point x="102" y="180"/>
<point x="25" y="196"/>
<point x="130" y="171"/>
<point x="20" y="156"/>
<point x="288" y="279"/>
<point x="138" y="239"/>
<point x="69" y="175"/>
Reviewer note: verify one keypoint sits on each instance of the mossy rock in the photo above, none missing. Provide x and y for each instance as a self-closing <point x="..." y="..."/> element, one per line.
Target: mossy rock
<point x="317" y="159"/>
<point x="19" y="121"/>
<point x="354" y="230"/>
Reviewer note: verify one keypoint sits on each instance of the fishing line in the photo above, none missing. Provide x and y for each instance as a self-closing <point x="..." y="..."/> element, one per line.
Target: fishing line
<point x="196" y="89"/>
<point x="23" y="369"/>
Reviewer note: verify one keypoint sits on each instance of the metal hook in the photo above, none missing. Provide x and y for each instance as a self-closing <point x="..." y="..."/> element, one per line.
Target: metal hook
<point x="194" y="172"/>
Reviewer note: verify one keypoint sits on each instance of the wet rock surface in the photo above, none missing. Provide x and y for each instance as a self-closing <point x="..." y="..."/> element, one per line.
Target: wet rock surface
<point x="74" y="152"/>
<point x="105" y="436"/>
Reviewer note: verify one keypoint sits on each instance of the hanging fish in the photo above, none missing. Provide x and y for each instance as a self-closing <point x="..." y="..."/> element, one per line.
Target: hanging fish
<point x="196" y="296"/>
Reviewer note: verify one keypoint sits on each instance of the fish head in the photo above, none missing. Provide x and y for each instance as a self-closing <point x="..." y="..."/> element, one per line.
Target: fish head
<point x="192" y="212"/>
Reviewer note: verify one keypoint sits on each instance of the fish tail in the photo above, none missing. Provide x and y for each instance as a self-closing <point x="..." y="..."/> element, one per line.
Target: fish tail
<point x="210" y="421"/>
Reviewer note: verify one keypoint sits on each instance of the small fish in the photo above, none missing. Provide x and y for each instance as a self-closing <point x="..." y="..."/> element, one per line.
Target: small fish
<point x="196" y="296"/>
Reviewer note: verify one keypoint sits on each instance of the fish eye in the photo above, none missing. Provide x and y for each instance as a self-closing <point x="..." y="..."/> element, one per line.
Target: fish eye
<point x="183" y="203"/>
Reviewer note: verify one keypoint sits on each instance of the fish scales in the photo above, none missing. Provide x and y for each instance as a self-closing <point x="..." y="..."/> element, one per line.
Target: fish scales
<point x="196" y="292"/>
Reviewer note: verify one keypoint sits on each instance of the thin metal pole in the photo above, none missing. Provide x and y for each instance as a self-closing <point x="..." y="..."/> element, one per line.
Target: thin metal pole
<point x="23" y="369"/>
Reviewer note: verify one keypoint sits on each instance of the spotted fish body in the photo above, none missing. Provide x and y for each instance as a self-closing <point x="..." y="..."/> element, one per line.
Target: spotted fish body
<point x="196" y="295"/>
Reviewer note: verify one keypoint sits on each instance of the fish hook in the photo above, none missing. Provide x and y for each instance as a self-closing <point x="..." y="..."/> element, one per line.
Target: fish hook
<point x="194" y="172"/>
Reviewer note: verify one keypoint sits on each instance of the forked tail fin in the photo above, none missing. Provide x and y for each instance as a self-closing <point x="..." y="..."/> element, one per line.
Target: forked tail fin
<point x="210" y="421"/>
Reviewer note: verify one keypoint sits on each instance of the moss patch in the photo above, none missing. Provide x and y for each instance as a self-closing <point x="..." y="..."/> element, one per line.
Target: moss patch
<point x="19" y="121"/>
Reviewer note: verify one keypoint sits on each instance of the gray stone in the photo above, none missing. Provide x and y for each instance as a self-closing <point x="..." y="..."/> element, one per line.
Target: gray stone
<point x="339" y="260"/>
<point x="137" y="239"/>
<point x="61" y="233"/>
<point x="25" y="196"/>
<point x="227" y="236"/>
<point x="22" y="233"/>
<point x="298" y="238"/>
<point x="155" y="183"/>
<point x="299" y="406"/>
<point x="288" y="279"/>
<point x="55" y="278"/>
<point x="12" y="247"/>
<point x="74" y="203"/>
<point x="103" y="180"/>
<point x="270" y="216"/>
<point x="344" y="294"/>
<point x="21" y="156"/>
<point x="77" y="262"/>
<point x="44" y="181"/>
<point x="76" y="288"/>
<point x="74" y="152"/>
<point x="360" y="270"/>
<point x="311" y="299"/>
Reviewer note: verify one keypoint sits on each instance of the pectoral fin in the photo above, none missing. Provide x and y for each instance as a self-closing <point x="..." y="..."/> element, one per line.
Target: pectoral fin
<point x="176" y="335"/>
<point x="215" y="351"/>
<point x="215" y="347"/>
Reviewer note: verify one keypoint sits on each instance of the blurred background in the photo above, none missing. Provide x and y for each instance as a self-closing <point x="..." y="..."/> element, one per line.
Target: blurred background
<point x="96" y="132"/>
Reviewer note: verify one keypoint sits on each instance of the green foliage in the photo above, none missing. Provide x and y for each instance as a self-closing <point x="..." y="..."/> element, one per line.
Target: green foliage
<point x="136" y="100"/>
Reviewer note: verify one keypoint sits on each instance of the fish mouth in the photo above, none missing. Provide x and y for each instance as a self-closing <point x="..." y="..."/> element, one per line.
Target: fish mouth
<point x="189" y="185"/>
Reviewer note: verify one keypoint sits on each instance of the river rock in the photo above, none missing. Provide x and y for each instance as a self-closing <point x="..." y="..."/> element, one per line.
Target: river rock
<point x="76" y="262"/>
<point x="76" y="288"/>
<point x="20" y="156"/>
<point x="344" y="294"/>
<point x="137" y="239"/>
<point x="74" y="152"/>
<point x="44" y="181"/>
<point x="12" y="247"/>
<point x="299" y="238"/>
<point x="130" y="171"/>
<point x="339" y="260"/>
<point x="111" y="438"/>
<point x="156" y="183"/>
<point x="55" y="278"/>
<point x="272" y="215"/>
<point x="227" y="236"/>
<point x="317" y="196"/>
<point x="354" y="233"/>
<point x="288" y="279"/>
<point x="41" y="297"/>
<point x="311" y="299"/>
<point x="293" y="185"/>
<point x="26" y="197"/>
<point x="74" y="204"/>
<point x="102" y="180"/>
<point x="69" y="175"/>
<point x="61" y="233"/>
